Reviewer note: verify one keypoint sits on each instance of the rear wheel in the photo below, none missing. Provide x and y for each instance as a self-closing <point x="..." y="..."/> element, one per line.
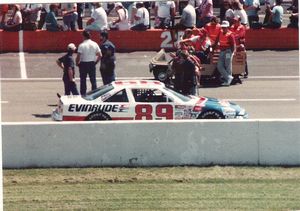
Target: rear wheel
<point x="98" y="117"/>
<point x="211" y="115"/>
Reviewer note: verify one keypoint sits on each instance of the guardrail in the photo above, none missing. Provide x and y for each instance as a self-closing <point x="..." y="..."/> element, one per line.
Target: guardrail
<point x="151" y="40"/>
<point x="151" y="143"/>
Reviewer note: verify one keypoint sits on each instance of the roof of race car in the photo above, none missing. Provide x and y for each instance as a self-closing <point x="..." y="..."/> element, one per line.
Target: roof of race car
<point x="137" y="83"/>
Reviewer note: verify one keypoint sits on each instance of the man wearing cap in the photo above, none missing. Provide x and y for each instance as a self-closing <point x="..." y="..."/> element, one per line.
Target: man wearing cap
<point x="227" y="48"/>
<point x="67" y="63"/>
<point x="88" y="55"/>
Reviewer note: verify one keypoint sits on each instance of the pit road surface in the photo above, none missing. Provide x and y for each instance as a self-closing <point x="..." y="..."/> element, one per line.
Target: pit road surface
<point x="29" y="84"/>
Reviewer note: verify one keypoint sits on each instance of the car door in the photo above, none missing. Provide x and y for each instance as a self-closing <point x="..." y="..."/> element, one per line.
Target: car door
<point x="152" y="104"/>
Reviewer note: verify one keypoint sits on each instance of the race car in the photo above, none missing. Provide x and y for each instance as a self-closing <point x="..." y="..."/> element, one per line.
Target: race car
<point x="142" y="100"/>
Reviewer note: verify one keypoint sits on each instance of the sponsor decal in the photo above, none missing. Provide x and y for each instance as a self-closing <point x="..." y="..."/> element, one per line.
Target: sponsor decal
<point x="95" y="107"/>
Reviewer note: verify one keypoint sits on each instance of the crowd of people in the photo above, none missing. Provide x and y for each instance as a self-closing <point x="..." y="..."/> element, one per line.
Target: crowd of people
<point x="137" y="15"/>
<point x="225" y="33"/>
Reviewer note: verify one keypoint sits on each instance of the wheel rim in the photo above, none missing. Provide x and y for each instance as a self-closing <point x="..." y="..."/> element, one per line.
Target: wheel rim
<point x="162" y="76"/>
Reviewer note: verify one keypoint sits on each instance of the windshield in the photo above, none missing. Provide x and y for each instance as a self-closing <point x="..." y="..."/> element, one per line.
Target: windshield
<point x="94" y="94"/>
<point x="180" y="96"/>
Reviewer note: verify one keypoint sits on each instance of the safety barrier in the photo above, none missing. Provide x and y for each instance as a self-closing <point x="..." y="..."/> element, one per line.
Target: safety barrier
<point x="152" y="143"/>
<point x="154" y="39"/>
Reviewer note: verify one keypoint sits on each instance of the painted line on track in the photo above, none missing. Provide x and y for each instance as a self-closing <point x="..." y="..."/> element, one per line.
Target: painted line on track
<point x="4" y="102"/>
<point x="22" y="57"/>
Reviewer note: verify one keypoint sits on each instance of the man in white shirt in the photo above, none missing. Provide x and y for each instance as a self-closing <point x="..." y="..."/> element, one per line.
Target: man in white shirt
<point x="88" y="55"/>
<point x="141" y="18"/>
<point x="98" y="21"/>
<point x="164" y="14"/>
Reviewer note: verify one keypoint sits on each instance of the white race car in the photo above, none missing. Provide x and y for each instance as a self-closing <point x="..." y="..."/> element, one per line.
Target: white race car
<point x="142" y="100"/>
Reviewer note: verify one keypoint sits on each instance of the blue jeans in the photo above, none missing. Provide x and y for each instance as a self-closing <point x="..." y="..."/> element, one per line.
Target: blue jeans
<point x="87" y="68"/>
<point x="225" y="65"/>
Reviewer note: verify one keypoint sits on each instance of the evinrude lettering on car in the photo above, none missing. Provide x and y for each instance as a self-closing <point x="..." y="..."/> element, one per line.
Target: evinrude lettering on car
<point x="92" y="108"/>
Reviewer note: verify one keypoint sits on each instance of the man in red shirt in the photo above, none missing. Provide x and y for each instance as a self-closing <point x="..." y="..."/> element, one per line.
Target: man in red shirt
<point x="238" y="30"/>
<point x="227" y="48"/>
<point x="213" y="30"/>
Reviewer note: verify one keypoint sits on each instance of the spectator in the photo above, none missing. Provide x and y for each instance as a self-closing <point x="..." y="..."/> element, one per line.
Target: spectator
<point x="227" y="49"/>
<point x="239" y="11"/>
<point x="187" y="20"/>
<point x="3" y="12"/>
<point x="70" y="15"/>
<point x="31" y="14"/>
<point x="88" y="55"/>
<point x="275" y="20"/>
<point x="67" y="64"/>
<point x="14" y="23"/>
<point x="252" y="7"/>
<point x="205" y="13"/>
<point x="44" y="11"/>
<point x="98" y="20"/>
<point x="141" y="18"/>
<point x="164" y="14"/>
<point x="229" y="14"/>
<point x="213" y="30"/>
<point x="269" y="4"/>
<point x="122" y="23"/>
<point x="51" y="22"/>
<point x="108" y="60"/>
<point x="80" y="12"/>
<point x="294" y="19"/>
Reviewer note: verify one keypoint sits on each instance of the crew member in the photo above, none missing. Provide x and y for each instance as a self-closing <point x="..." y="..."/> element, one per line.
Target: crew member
<point x="67" y="63"/>
<point x="227" y="48"/>
<point x="88" y="55"/>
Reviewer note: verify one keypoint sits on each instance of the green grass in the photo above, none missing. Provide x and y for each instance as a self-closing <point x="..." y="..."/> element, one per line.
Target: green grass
<point x="178" y="188"/>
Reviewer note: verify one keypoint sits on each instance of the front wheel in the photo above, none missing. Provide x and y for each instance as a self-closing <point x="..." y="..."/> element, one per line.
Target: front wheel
<point x="98" y="117"/>
<point x="211" y="115"/>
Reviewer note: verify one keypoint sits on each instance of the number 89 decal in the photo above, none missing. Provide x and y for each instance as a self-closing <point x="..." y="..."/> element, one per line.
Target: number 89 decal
<point x="144" y="111"/>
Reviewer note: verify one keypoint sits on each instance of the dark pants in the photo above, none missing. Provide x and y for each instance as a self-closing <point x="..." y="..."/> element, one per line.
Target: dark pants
<point x="42" y="19"/>
<point x="252" y="19"/>
<point x="70" y="86"/>
<point x="139" y="27"/>
<point x="87" y="68"/>
<point x="107" y="72"/>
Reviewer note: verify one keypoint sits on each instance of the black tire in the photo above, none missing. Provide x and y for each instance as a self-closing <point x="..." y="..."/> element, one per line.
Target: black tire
<point x="98" y="116"/>
<point x="211" y="115"/>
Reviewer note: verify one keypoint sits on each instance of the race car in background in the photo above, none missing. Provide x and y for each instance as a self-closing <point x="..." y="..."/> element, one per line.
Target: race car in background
<point x="142" y="100"/>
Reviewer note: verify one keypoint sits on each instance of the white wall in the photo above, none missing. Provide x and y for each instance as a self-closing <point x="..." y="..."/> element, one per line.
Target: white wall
<point x="159" y="143"/>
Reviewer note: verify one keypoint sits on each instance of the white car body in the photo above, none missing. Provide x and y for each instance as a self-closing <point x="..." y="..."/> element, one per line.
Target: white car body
<point x="133" y="100"/>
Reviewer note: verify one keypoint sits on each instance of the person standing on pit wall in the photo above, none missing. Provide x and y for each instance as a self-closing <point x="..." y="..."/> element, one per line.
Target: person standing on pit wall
<point x="251" y="7"/>
<point x="70" y="15"/>
<point x="80" y="12"/>
<point x="67" y="63"/>
<point x="108" y="60"/>
<point x="88" y="55"/>
<point x="164" y="14"/>
<point x="227" y="48"/>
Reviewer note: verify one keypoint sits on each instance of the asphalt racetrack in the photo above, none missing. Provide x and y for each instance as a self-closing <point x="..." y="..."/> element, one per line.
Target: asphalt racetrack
<point x="30" y="81"/>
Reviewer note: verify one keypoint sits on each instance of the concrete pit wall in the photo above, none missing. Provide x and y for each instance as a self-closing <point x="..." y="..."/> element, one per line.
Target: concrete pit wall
<point x="157" y="143"/>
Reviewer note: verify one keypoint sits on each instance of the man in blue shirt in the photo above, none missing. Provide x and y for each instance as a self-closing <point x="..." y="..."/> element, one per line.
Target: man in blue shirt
<point x="108" y="59"/>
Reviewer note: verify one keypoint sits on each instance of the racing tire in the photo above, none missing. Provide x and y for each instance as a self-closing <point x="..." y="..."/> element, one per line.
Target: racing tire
<point x="98" y="116"/>
<point x="211" y="115"/>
